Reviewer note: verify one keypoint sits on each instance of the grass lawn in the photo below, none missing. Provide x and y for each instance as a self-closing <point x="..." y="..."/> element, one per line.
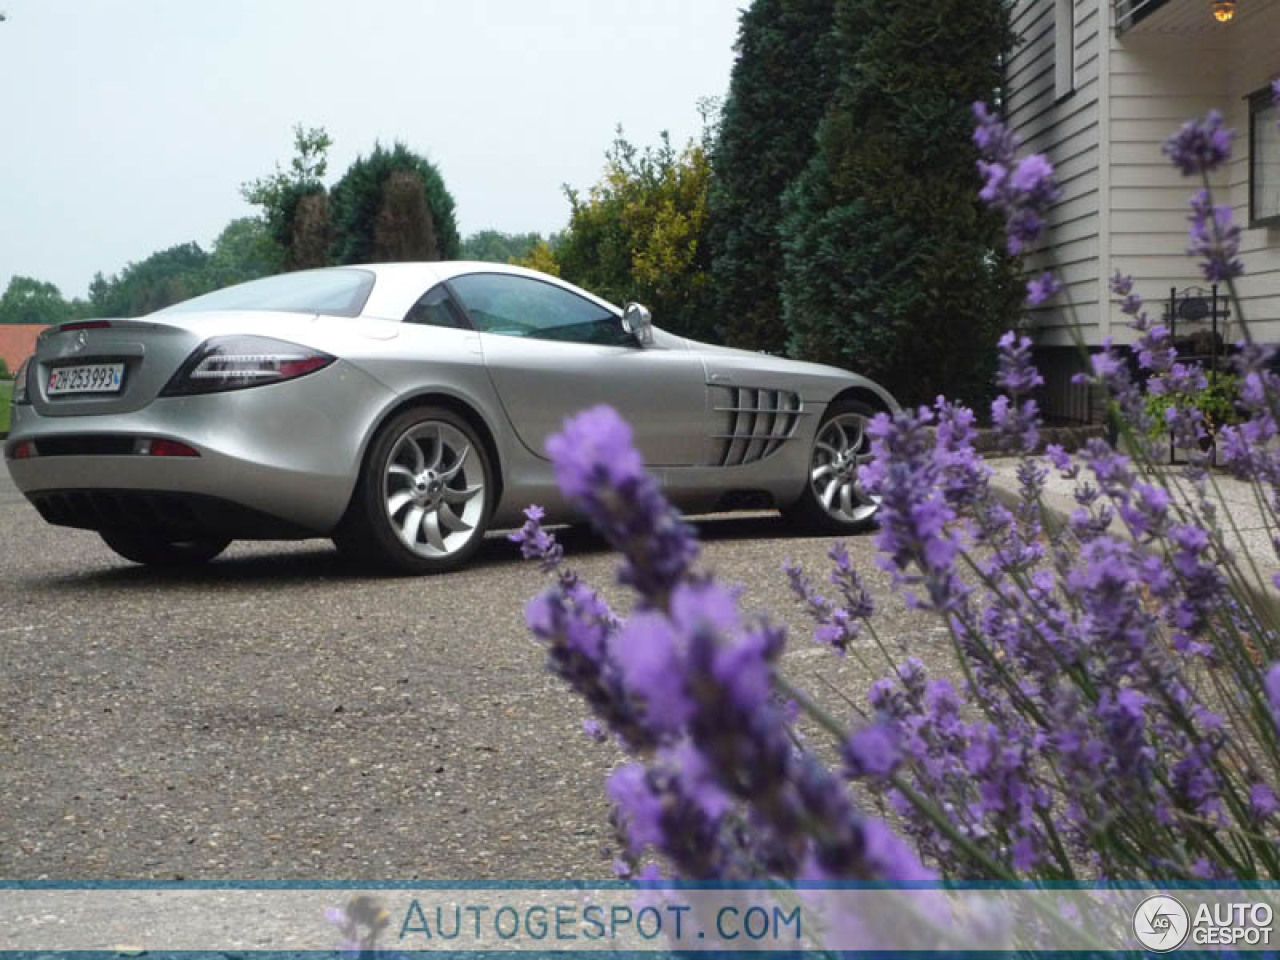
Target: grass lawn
<point x="6" y="388"/>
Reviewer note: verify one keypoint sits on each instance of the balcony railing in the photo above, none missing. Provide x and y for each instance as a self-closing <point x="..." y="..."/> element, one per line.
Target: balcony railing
<point x="1129" y="13"/>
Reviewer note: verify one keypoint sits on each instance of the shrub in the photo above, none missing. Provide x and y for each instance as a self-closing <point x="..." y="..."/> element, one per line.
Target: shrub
<point x="358" y="205"/>
<point x="640" y="234"/>
<point x="1118" y="718"/>
<point x="1218" y="404"/>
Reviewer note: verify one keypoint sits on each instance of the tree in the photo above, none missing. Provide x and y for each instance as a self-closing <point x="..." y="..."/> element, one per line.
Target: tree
<point x="541" y="257"/>
<point x="359" y="207"/>
<point x="779" y="88"/>
<point x="892" y="264"/>
<point x="404" y="228"/>
<point x="284" y="199"/>
<point x="310" y="239"/>
<point x="162" y="279"/>
<point x="243" y="251"/>
<point x="27" y="300"/>
<point x="640" y="233"/>
<point x="494" y="246"/>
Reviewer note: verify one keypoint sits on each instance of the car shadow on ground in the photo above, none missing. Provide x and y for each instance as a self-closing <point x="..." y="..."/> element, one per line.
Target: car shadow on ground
<point x="309" y="561"/>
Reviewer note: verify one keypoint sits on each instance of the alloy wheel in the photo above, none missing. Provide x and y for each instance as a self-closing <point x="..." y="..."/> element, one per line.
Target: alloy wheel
<point x="842" y="445"/>
<point x="433" y="488"/>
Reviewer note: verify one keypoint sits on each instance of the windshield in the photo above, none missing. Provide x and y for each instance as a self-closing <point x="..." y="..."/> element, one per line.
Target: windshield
<point x="341" y="292"/>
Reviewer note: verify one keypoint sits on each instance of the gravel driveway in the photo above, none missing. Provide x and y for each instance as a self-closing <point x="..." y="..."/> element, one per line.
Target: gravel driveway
<point x="279" y="715"/>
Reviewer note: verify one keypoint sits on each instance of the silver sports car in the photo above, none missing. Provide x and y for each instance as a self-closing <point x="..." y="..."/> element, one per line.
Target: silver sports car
<point x="402" y="410"/>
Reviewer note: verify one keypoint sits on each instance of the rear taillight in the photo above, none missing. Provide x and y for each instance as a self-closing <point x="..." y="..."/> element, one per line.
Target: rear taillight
<point x="160" y="447"/>
<point x="236" y="363"/>
<point x="24" y="450"/>
<point x="82" y="325"/>
<point x="20" y="394"/>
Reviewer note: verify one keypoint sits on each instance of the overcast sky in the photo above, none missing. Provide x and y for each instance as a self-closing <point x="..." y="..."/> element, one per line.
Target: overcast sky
<point x="129" y="125"/>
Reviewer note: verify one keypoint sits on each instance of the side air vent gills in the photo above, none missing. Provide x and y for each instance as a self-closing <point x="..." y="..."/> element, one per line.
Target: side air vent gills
<point x="755" y="423"/>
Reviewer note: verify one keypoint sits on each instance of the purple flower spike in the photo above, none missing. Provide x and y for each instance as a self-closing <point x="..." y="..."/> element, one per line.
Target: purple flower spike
<point x="599" y="468"/>
<point x="915" y="517"/>
<point x="1200" y="145"/>
<point x="1017" y="417"/>
<point x="1262" y="800"/>
<point x="1042" y="289"/>
<point x="871" y="752"/>
<point x="1272" y="684"/>
<point x="535" y="542"/>
<point x="1215" y="238"/>
<point x="1021" y="190"/>
<point x="1017" y="374"/>
<point x="639" y="807"/>
<point x="992" y="138"/>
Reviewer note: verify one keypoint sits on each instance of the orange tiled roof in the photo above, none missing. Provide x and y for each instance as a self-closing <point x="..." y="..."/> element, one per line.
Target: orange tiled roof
<point x="17" y="342"/>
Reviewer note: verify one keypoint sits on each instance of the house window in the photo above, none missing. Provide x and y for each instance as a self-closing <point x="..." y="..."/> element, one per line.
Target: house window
<point x="1064" y="47"/>
<point x="1264" y="160"/>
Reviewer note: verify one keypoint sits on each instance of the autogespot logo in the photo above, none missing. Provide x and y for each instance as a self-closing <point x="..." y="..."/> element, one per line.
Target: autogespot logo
<point x="1161" y="923"/>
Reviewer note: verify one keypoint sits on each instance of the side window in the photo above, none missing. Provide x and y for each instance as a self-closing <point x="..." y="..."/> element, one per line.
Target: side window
<point x="522" y="307"/>
<point x="435" y="309"/>
<point x="1264" y="160"/>
<point x="1064" y="48"/>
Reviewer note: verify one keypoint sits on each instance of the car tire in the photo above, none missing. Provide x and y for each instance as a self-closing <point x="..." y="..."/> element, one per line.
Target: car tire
<point x="424" y="497"/>
<point x="833" y="502"/>
<point x="148" y="548"/>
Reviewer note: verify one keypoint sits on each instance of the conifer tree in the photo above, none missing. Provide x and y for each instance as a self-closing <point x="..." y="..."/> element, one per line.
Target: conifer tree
<point x="780" y="85"/>
<point x="892" y="265"/>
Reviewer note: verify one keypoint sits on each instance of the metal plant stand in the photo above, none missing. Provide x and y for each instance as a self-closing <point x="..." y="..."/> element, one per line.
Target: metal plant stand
<point x="1209" y="317"/>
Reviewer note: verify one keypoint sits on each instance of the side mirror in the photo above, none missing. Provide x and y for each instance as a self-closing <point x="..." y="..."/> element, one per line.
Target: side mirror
<point x="638" y="321"/>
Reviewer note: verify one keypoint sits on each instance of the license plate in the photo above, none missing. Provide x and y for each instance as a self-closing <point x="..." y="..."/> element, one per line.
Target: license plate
<point x="86" y="378"/>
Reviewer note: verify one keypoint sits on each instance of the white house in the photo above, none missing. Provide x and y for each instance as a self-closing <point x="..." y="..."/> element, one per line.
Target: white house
<point x="1098" y="85"/>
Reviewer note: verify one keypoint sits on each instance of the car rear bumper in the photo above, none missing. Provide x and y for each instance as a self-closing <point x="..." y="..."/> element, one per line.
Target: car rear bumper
<point x="272" y="461"/>
<point x="174" y="516"/>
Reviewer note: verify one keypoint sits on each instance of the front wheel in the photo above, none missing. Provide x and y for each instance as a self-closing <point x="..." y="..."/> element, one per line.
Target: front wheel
<point x="833" y="500"/>
<point x="147" y="548"/>
<point x="424" y="496"/>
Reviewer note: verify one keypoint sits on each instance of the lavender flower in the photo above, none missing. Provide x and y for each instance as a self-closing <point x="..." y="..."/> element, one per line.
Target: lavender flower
<point x="535" y="542"/>
<point x="1262" y="800"/>
<point x="1215" y="238"/>
<point x="962" y="476"/>
<point x="992" y="138"/>
<point x="687" y="686"/>
<point x="1130" y="303"/>
<point x="1016" y="373"/>
<point x="1022" y="190"/>
<point x="871" y="752"/>
<point x="1042" y="289"/>
<point x="914" y="516"/>
<point x="838" y="625"/>
<point x="1200" y="145"/>
<point x="598" y="468"/>
<point x="1107" y="725"/>
<point x="1016" y="419"/>
<point x="1272" y="686"/>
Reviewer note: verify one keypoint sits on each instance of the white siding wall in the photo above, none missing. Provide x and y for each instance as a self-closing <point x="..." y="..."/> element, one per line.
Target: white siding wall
<point x="1158" y="81"/>
<point x="1255" y="64"/>
<point x="1124" y="207"/>
<point x="1067" y="130"/>
<point x="1173" y="67"/>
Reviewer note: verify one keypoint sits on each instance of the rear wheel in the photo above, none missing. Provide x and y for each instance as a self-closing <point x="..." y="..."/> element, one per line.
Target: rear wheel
<point x="834" y="500"/>
<point x="424" y="496"/>
<point x="141" y="546"/>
